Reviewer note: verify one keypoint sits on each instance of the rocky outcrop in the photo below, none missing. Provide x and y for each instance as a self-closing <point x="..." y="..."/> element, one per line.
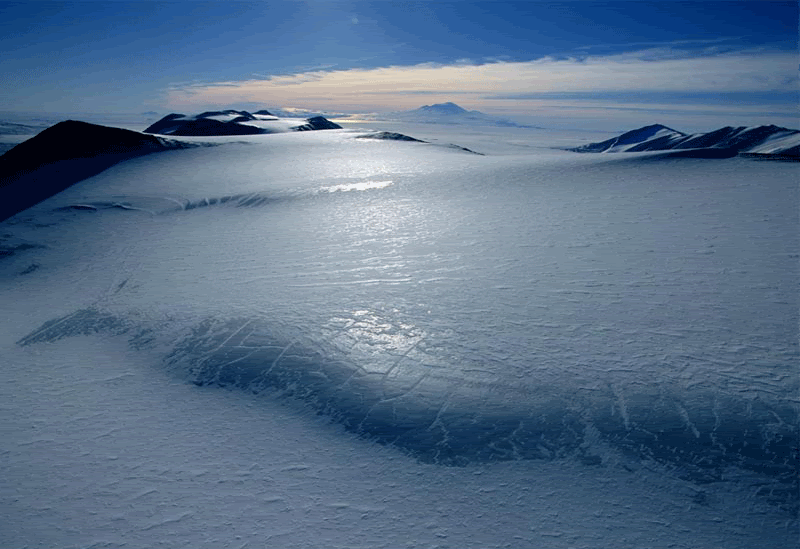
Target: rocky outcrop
<point x="64" y="154"/>
<point x="317" y="123"/>
<point x="722" y="143"/>
<point x="231" y="122"/>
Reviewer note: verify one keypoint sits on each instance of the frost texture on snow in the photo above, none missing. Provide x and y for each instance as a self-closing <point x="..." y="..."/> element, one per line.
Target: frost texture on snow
<point x="423" y="347"/>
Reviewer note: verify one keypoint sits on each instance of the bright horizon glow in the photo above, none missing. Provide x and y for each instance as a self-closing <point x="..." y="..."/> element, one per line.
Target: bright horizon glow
<point x="692" y="63"/>
<point x="646" y="71"/>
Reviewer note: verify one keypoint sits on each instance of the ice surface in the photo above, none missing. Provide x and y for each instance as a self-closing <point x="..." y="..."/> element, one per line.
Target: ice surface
<point x="604" y="348"/>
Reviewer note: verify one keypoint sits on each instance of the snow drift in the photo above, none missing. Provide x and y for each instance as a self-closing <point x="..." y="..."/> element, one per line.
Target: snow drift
<point x="450" y="420"/>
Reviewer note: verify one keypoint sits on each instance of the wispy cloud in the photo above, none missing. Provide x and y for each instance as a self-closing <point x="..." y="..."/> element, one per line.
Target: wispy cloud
<point x="663" y="98"/>
<point x="669" y="43"/>
<point x="660" y="69"/>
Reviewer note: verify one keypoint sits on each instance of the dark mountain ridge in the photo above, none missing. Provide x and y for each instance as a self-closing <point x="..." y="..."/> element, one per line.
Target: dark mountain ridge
<point x="64" y="154"/>
<point x="232" y="123"/>
<point x="757" y="140"/>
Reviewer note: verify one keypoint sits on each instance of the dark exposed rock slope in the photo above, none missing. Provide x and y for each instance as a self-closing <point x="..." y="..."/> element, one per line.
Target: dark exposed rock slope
<point x="64" y="154"/>
<point x="722" y="143"/>
<point x="231" y="122"/>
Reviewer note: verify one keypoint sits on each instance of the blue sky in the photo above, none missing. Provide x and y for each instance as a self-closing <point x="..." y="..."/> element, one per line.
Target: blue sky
<point x="703" y="61"/>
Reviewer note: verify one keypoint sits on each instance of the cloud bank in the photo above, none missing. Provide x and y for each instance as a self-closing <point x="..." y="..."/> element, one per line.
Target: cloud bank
<point x="662" y="70"/>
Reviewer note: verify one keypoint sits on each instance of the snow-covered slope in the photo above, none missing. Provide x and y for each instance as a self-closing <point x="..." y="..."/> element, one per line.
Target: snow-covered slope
<point x="634" y="138"/>
<point x="231" y="122"/>
<point x="312" y="338"/>
<point x="784" y="142"/>
<point x="761" y="139"/>
<point x="64" y="154"/>
<point x="394" y="136"/>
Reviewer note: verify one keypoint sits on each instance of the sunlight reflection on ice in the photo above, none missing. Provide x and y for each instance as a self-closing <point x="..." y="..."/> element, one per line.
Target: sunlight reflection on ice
<point x="361" y="186"/>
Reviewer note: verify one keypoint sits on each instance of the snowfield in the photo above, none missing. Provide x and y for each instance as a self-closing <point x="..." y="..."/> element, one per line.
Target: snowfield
<point x="316" y="339"/>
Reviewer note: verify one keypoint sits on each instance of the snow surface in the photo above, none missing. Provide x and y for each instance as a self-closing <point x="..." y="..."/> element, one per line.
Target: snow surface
<point x="779" y="143"/>
<point x="276" y="125"/>
<point x="527" y="348"/>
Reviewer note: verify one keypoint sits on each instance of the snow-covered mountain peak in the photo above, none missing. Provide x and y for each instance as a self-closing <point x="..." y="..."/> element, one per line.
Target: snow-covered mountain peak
<point x="743" y="139"/>
<point x="647" y="132"/>
<point x="448" y="108"/>
<point x="231" y="122"/>
<point x="450" y="113"/>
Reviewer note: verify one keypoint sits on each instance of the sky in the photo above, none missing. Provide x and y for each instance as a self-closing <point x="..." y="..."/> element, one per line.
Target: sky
<point x="704" y="63"/>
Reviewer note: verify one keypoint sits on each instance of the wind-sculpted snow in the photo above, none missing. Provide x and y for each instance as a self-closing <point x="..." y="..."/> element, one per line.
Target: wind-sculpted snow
<point x="534" y="332"/>
<point x="160" y="206"/>
<point x="394" y="136"/>
<point x="409" y="396"/>
<point x="8" y="249"/>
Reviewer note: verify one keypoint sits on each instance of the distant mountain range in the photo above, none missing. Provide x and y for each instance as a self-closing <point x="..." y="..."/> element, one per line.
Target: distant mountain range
<point x="765" y="141"/>
<point x="231" y="122"/>
<point x="450" y="113"/>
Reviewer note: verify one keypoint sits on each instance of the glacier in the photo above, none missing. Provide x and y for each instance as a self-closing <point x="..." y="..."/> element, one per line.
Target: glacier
<point x="313" y="338"/>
